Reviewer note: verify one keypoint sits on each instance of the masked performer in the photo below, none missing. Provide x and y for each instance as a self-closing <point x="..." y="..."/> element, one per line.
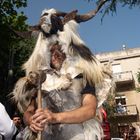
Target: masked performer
<point x="72" y="74"/>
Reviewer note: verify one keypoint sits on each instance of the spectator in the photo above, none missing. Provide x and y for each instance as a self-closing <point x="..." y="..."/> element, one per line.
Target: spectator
<point x="132" y="133"/>
<point x="120" y="108"/>
<point x="17" y="119"/>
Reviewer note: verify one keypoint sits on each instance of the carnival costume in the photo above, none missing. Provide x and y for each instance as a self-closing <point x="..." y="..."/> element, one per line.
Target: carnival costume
<point x="62" y="90"/>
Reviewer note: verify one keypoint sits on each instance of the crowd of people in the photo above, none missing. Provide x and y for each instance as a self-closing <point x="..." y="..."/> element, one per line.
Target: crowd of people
<point x="130" y="133"/>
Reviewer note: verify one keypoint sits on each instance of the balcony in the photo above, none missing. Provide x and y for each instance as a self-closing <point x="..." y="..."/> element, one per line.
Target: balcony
<point x="125" y="76"/>
<point x="125" y="114"/>
<point x="124" y="80"/>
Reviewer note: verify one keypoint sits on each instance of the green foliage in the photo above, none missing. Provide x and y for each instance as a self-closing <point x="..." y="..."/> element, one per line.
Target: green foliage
<point x="138" y="78"/>
<point x="111" y="5"/>
<point x="109" y="105"/>
<point x="9" y="14"/>
<point x="22" y="51"/>
<point x="14" y="50"/>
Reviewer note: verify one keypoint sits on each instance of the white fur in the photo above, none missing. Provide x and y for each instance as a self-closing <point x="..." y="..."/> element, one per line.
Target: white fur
<point x="53" y="82"/>
<point x="93" y="132"/>
<point x="49" y="11"/>
<point x="92" y="70"/>
<point x="20" y="95"/>
<point x="73" y="65"/>
<point x="46" y="25"/>
<point x="102" y="91"/>
<point x="69" y="35"/>
<point x="40" y="58"/>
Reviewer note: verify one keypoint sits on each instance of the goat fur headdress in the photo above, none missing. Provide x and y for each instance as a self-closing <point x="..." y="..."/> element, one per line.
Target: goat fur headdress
<point x="60" y="29"/>
<point x="79" y="59"/>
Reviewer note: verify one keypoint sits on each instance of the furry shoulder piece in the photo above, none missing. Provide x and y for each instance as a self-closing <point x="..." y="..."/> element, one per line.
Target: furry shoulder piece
<point x="26" y="88"/>
<point x="22" y="93"/>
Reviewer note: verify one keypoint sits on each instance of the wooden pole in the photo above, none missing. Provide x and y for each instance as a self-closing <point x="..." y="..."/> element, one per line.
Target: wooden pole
<point x="39" y="101"/>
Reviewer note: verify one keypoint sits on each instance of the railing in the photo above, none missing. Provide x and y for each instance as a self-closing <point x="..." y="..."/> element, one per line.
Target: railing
<point x="126" y="110"/>
<point x="123" y="76"/>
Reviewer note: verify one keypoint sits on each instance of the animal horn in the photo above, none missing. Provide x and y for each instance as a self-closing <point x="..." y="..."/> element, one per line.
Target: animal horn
<point x="32" y="31"/>
<point x="70" y="16"/>
<point x="91" y="14"/>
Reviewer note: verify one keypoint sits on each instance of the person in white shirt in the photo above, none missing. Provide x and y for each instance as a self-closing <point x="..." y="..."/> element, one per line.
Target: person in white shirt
<point x="7" y="127"/>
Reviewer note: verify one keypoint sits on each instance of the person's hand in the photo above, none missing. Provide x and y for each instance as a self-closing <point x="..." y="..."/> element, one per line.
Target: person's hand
<point x="50" y="116"/>
<point x="38" y="121"/>
<point x="41" y="118"/>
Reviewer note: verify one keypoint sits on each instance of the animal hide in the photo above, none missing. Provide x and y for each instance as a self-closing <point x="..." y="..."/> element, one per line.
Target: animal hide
<point x="26" y="88"/>
<point x="62" y="89"/>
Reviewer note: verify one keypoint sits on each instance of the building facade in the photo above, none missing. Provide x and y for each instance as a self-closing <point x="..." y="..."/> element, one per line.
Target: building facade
<point x="125" y="65"/>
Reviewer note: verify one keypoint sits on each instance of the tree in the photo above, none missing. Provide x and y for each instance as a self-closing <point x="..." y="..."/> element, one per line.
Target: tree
<point x="111" y="5"/>
<point x="14" y="50"/>
<point x="138" y="78"/>
<point x="109" y="105"/>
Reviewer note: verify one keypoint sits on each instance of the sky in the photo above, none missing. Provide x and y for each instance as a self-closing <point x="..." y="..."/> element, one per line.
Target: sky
<point x="110" y="35"/>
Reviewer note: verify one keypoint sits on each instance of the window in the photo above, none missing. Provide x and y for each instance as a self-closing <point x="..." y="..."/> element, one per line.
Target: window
<point x="121" y="99"/>
<point x="116" y="68"/>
